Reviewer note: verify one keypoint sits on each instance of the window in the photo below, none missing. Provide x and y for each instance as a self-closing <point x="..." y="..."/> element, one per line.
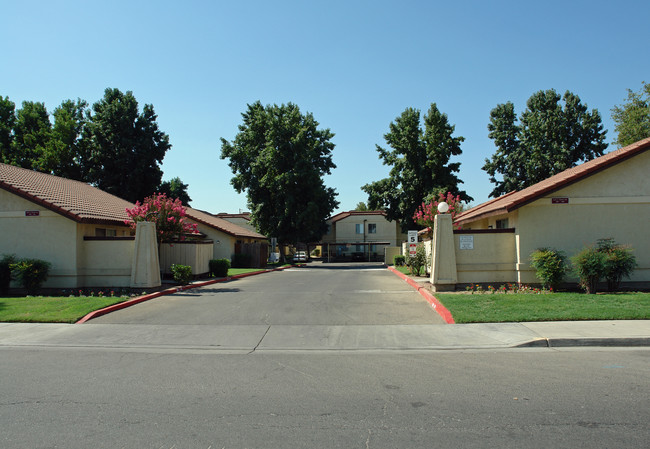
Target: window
<point x="359" y="228"/>
<point x="103" y="232"/>
<point x="502" y="224"/>
<point x="372" y="228"/>
<point x="359" y="248"/>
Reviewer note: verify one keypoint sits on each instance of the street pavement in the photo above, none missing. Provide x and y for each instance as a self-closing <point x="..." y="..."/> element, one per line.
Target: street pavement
<point x="369" y="309"/>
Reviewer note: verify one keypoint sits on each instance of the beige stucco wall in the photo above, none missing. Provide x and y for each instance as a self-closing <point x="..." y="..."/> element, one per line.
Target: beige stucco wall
<point x="49" y="236"/>
<point x="613" y="203"/>
<point x="59" y="240"/>
<point x="105" y="263"/>
<point x="492" y="259"/>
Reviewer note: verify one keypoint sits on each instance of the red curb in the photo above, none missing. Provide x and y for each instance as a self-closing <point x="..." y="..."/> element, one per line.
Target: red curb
<point x="437" y="305"/>
<point x="169" y="291"/>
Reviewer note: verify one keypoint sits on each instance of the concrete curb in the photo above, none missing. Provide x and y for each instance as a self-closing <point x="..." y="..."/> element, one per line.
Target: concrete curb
<point x="169" y="291"/>
<point x="585" y="341"/>
<point x="426" y="294"/>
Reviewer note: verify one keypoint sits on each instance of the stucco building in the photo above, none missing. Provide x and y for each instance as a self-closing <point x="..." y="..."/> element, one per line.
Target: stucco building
<point x="605" y="197"/>
<point x="360" y="235"/>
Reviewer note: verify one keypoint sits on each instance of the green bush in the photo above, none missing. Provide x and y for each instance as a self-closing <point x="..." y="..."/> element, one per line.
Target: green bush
<point x="399" y="261"/>
<point x="550" y="266"/>
<point x="589" y="266"/>
<point x="417" y="262"/>
<point x="315" y="252"/>
<point x="219" y="267"/>
<point x="31" y="273"/>
<point x="182" y="273"/>
<point x="241" y="261"/>
<point x="5" y="273"/>
<point x="620" y="262"/>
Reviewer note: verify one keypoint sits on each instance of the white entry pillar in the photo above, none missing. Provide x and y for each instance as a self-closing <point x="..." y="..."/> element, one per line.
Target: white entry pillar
<point x="443" y="272"/>
<point x="145" y="270"/>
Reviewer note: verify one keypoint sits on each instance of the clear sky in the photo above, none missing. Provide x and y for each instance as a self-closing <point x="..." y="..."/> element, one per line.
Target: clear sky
<point x="355" y="65"/>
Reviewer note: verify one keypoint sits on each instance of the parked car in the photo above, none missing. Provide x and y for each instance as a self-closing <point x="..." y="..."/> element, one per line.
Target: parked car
<point x="300" y="256"/>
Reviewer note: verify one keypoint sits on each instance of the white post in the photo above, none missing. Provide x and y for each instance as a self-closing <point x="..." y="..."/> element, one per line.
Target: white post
<point x="145" y="270"/>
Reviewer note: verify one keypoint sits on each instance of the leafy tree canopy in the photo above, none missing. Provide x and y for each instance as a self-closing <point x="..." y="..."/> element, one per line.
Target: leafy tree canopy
<point x="126" y="147"/>
<point x="279" y="157"/>
<point x="175" y="189"/>
<point x="361" y="207"/>
<point x="632" y="118"/>
<point x="420" y="164"/>
<point x="66" y="154"/>
<point x="7" y="124"/>
<point x="32" y="131"/>
<point x="549" y="138"/>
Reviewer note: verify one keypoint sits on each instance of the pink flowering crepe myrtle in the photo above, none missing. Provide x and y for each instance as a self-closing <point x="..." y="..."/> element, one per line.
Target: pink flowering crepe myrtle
<point x="426" y="212"/>
<point x="167" y="213"/>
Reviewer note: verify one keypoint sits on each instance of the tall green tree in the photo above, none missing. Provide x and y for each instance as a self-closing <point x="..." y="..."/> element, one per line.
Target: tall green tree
<point x="175" y="189"/>
<point x="7" y="123"/>
<point x="125" y="146"/>
<point x="632" y="118"/>
<point x="66" y="154"/>
<point x="420" y="164"/>
<point x="32" y="131"/>
<point x="279" y="157"/>
<point x="361" y="207"/>
<point x="549" y="138"/>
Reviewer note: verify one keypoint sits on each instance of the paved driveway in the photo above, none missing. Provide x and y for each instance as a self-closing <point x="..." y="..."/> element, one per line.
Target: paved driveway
<point x="320" y="294"/>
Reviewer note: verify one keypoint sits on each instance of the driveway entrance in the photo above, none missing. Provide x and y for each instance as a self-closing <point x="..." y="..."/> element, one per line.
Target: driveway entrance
<point x="318" y="294"/>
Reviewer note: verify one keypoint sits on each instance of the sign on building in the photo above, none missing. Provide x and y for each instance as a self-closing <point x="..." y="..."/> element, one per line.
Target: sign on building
<point x="466" y="241"/>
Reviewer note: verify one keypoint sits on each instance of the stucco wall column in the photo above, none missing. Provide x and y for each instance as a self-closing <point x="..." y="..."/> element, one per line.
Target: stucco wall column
<point x="145" y="271"/>
<point x="443" y="272"/>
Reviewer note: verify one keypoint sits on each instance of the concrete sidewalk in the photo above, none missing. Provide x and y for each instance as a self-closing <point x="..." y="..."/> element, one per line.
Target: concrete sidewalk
<point x="244" y="339"/>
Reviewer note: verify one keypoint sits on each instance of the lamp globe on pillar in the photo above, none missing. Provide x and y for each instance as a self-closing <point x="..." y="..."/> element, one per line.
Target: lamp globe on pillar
<point x="443" y="207"/>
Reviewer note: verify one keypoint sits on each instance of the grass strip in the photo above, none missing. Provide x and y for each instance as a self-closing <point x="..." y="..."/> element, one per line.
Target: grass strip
<point x="47" y="309"/>
<point x="500" y="308"/>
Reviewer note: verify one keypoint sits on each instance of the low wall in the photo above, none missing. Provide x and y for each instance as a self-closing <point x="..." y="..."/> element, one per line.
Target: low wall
<point x="390" y="252"/>
<point x="192" y="253"/>
<point x="485" y="256"/>
<point x="105" y="262"/>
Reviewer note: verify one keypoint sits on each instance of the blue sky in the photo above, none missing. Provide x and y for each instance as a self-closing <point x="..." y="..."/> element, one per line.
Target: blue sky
<point x="355" y="65"/>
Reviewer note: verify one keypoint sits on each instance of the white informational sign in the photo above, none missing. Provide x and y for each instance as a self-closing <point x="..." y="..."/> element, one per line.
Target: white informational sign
<point x="413" y="242"/>
<point x="466" y="241"/>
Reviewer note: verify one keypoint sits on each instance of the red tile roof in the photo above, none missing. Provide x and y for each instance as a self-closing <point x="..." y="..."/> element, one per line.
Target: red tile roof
<point x="342" y="215"/>
<point x="514" y="200"/>
<point x="244" y="215"/>
<point x="74" y="199"/>
<point x="221" y="224"/>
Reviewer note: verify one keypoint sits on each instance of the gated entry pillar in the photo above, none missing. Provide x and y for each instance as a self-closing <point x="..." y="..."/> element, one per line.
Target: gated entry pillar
<point x="443" y="271"/>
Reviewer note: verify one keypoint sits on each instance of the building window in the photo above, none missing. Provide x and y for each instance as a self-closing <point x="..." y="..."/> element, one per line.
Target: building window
<point x="502" y="224"/>
<point x="373" y="248"/>
<point x="103" y="232"/>
<point x="372" y="228"/>
<point x="359" y="228"/>
<point x="359" y="248"/>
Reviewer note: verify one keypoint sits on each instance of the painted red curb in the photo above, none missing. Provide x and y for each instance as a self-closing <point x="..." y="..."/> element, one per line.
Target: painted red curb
<point x="437" y="305"/>
<point x="169" y="291"/>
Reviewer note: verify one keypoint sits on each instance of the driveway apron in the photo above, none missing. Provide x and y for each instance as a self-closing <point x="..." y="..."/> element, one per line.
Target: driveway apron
<point x="318" y="294"/>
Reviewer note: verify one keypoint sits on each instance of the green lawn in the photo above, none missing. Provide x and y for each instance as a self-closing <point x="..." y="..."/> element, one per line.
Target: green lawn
<point x="39" y="309"/>
<point x="236" y="271"/>
<point x="499" y="307"/>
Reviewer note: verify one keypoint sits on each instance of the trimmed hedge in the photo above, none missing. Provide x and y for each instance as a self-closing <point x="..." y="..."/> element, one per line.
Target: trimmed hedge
<point x="219" y="267"/>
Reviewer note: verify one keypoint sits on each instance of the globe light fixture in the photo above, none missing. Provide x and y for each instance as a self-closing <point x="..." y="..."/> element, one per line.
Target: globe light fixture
<point x="443" y="207"/>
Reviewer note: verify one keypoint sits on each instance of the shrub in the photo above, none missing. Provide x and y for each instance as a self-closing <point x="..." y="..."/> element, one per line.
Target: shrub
<point x="417" y="262"/>
<point x="399" y="261"/>
<point x="620" y="262"/>
<point x="5" y="273"/>
<point x="241" y="260"/>
<point x="550" y="266"/>
<point x="31" y="273"/>
<point x="182" y="273"/>
<point x="589" y="266"/>
<point x="219" y="267"/>
<point x="315" y="252"/>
